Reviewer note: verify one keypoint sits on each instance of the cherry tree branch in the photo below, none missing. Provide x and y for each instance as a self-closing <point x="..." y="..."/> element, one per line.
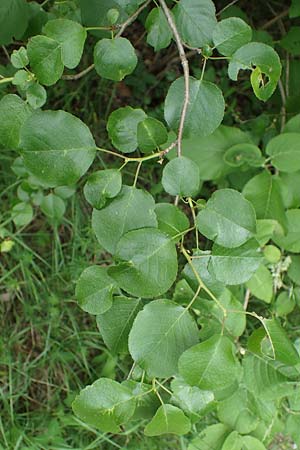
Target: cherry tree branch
<point x="186" y="73"/>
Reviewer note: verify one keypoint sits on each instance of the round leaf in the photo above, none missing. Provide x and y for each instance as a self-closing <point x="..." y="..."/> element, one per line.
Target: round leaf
<point x="284" y="151"/>
<point x="105" y="405"/>
<point x="57" y="147"/>
<point x="171" y="220"/>
<point x="114" y="58"/>
<point x="211" y="364"/>
<point x="291" y="240"/>
<point x="36" y="95"/>
<point x="45" y="59"/>
<point x="115" y="324"/>
<point x="71" y="37"/>
<point x="227" y="219"/>
<point x="159" y="33"/>
<point x="205" y="111"/>
<point x="261" y="284"/>
<point x="181" y="177"/>
<point x="13" y="20"/>
<point x="162" y="328"/>
<point x="168" y="419"/>
<point x="230" y="34"/>
<point x="13" y="113"/>
<point x="151" y="133"/>
<point x="148" y="265"/>
<point x="94" y="290"/>
<point x="244" y="154"/>
<point x="53" y="207"/>
<point x="195" y="20"/>
<point x="122" y="128"/>
<point x="235" y="265"/>
<point x="102" y="185"/>
<point x="266" y="62"/>
<point x="131" y="209"/>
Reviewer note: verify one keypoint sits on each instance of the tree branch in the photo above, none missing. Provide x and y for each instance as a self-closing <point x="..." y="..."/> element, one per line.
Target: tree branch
<point x="186" y="73"/>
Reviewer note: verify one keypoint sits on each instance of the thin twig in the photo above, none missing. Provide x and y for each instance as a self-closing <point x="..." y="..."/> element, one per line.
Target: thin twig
<point x="186" y="72"/>
<point x="132" y="18"/>
<point x="275" y="19"/>
<point x="79" y="75"/>
<point x="246" y="299"/>
<point x="227" y="6"/>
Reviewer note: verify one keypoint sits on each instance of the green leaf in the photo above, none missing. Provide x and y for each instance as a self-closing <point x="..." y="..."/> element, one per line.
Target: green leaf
<point x="211" y="438"/>
<point x="272" y="254"/>
<point x="265" y="230"/>
<point x="284" y="304"/>
<point x="22" y="214"/>
<point x="57" y="147"/>
<point x="208" y="153"/>
<point x="53" y="207"/>
<point x="114" y="58"/>
<point x="195" y="20"/>
<point x="94" y="13"/>
<point x="22" y="79"/>
<point x="251" y="443"/>
<point x="105" y="405"/>
<point x="148" y="263"/>
<point x="231" y="34"/>
<point x="151" y="133"/>
<point x="243" y="155"/>
<point x="283" y="349"/>
<point x="225" y="225"/>
<point x="181" y="177"/>
<point x="237" y="265"/>
<point x="265" y="380"/>
<point x="159" y="34"/>
<point x="171" y="220"/>
<point x="233" y="442"/>
<point x="94" y="290"/>
<point x="122" y="128"/>
<point x="294" y="269"/>
<point x="294" y="9"/>
<point x="36" y="95"/>
<point x="291" y="41"/>
<point x="115" y="324"/>
<point x="65" y="192"/>
<point x="168" y="419"/>
<point x="102" y="185"/>
<point x="13" y="20"/>
<point x="13" y="113"/>
<point x="162" y="328"/>
<point x="239" y="411"/>
<point x="131" y="209"/>
<point x="212" y="318"/>
<point x="267" y="65"/>
<point x="290" y="188"/>
<point x="263" y="191"/>
<point x="290" y="241"/>
<point x="211" y="364"/>
<point x="205" y="110"/>
<point x="71" y="37"/>
<point x="261" y="284"/>
<point x="19" y="58"/>
<point x="191" y="399"/>
<point x="45" y="57"/>
<point x="284" y="151"/>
